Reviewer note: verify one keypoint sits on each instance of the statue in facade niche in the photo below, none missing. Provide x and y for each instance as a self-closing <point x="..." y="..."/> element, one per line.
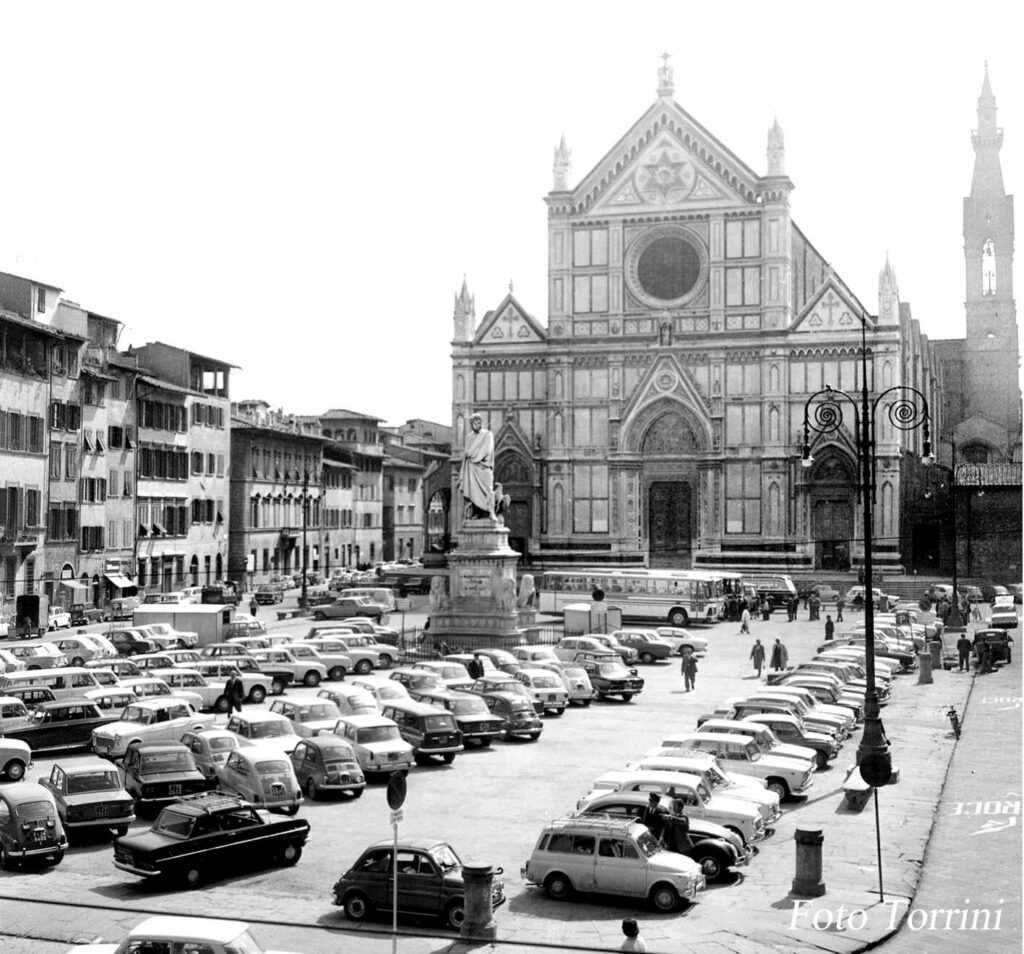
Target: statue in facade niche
<point x="438" y="596"/>
<point x="476" y="475"/>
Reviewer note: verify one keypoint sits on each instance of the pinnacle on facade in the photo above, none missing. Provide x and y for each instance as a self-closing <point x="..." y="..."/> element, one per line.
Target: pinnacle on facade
<point x="562" y="166"/>
<point x="666" y="87"/>
<point x="776" y="150"/>
<point x="987" y="140"/>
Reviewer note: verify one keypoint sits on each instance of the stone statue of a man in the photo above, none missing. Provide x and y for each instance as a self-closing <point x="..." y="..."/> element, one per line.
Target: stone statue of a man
<point x="476" y="475"/>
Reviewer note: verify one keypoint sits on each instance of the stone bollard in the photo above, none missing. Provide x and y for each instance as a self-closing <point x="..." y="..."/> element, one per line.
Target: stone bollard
<point x="935" y="648"/>
<point x="479" y="921"/>
<point x="807" y="882"/>
<point x="924" y="673"/>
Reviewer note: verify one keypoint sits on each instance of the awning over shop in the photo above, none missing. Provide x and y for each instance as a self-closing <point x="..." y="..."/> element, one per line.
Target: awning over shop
<point x="119" y="580"/>
<point x="75" y="587"/>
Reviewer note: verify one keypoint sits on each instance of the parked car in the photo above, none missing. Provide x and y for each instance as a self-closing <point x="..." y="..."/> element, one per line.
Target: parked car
<point x="15" y="759"/>
<point x="79" y="649"/>
<point x="10" y="663"/>
<point x="351" y="700"/>
<point x="121" y="667"/>
<point x="502" y="659"/>
<point x="767" y="742"/>
<point x="337" y="663"/>
<point x="181" y="934"/>
<point x="430" y="882"/>
<point x="210" y="747"/>
<point x="256" y="684"/>
<point x="13" y="714"/>
<point x="610" y="677"/>
<point x="264" y="728"/>
<point x="62" y="724"/>
<point x="382" y="690"/>
<point x="310" y="672"/>
<point x="714" y="848"/>
<point x="430" y="730"/>
<point x="83" y="615"/>
<point x="377" y="743"/>
<point x="262" y="775"/>
<point x="325" y="764"/>
<point x="130" y="642"/>
<point x="206" y="834"/>
<point x="682" y="639"/>
<point x="517" y="713"/>
<point x="1003" y="617"/>
<point x="58" y="618"/>
<point x="278" y="678"/>
<point x="170" y="637"/>
<point x="267" y="594"/>
<point x="154" y="773"/>
<point x="570" y="646"/>
<point x="39" y="656"/>
<point x="413" y="678"/>
<point x="549" y="694"/>
<point x="855" y="598"/>
<point x="346" y="606"/>
<point x="147" y="662"/>
<point x="359" y="642"/>
<point x="527" y="655"/>
<point x="453" y="675"/>
<point x="307" y="718"/>
<point x="149" y="720"/>
<point x="581" y="853"/>
<point x="999" y="643"/>
<point x="90" y="796"/>
<point x="650" y="646"/>
<point x="791" y="729"/>
<point x="475" y="721"/>
<point x="30" y="827"/>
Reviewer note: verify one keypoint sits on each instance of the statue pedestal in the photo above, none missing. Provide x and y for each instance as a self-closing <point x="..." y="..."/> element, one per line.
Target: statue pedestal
<point x="480" y="606"/>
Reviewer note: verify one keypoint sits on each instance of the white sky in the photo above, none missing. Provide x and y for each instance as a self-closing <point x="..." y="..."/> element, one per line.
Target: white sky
<point x="298" y="188"/>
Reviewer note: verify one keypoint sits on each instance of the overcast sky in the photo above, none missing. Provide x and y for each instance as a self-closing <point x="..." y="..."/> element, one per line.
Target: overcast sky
<point x="299" y="188"/>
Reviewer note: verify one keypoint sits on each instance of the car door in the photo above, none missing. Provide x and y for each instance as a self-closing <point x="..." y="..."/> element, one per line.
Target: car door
<point x="237" y="775"/>
<point x="619" y="869"/>
<point x="419" y="883"/>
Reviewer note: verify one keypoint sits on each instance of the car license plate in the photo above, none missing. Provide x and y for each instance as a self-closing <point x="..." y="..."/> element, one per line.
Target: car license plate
<point x="102" y="811"/>
<point x="173" y="789"/>
<point x="392" y="756"/>
<point x="38" y="835"/>
<point x="551" y="697"/>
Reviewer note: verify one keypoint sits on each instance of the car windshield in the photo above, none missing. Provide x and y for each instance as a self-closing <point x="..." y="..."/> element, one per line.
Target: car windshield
<point x="609" y="669"/>
<point x="648" y="844"/>
<point x="378" y="733"/>
<point x="99" y="781"/>
<point x="276" y="767"/>
<point x="468" y="706"/>
<point x="319" y="711"/>
<point x="167" y="762"/>
<point x="171" y="822"/>
<point x="223" y="743"/>
<point x="547" y="682"/>
<point x="446" y="858"/>
<point x="269" y="730"/>
<point x="136" y="714"/>
<point x="337" y="753"/>
<point x="31" y="811"/>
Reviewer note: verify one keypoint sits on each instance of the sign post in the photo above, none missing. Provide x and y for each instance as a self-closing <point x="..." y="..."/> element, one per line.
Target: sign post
<point x="396" y="793"/>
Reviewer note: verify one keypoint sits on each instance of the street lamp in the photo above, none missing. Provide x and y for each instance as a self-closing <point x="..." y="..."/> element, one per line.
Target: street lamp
<point x="955" y="622"/>
<point x="823" y="413"/>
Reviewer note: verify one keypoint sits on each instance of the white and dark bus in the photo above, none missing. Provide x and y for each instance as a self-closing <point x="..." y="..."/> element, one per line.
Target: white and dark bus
<point x="678" y="597"/>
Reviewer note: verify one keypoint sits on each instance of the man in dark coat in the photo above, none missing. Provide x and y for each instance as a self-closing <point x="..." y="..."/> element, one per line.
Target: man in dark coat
<point x="830" y="627"/>
<point x="963" y="648"/>
<point x="654" y="816"/>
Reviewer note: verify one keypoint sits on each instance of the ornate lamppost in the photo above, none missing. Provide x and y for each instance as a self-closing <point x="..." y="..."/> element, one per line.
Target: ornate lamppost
<point x="823" y="413"/>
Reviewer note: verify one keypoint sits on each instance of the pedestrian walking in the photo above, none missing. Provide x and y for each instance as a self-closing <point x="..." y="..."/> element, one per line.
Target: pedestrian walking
<point x="632" y="941"/>
<point x="780" y="656"/>
<point x="688" y="668"/>
<point x="963" y="648"/>
<point x="815" y="606"/>
<point x="830" y="627"/>
<point x="766" y="610"/>
<point x="757" y="655"/>
<point x="745" y="621"/>
<point x="235" y="692"/>
<point x="254" y="607"/>
<point x="840" y="606"/>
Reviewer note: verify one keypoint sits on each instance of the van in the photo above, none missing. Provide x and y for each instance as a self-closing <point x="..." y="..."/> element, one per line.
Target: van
<point x="64" y="682"/>
<point x="381" y="595"/>
<point x="430" y="730"/>
<point x="613" y="856"/>
<point x="777" y="588"/>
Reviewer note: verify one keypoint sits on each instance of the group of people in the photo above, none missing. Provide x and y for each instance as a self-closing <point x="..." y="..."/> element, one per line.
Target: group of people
<point x="779" y="658"/>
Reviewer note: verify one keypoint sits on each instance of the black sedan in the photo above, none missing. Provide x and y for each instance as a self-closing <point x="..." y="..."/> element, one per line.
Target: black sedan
<point x="200" y="835"/>
<point x="62" y="724"/>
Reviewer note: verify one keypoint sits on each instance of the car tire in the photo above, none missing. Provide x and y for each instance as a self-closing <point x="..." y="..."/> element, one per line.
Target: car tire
<point x="448" y="757"/>
<point x="257" y="694"/>
<point x="6" y="861"/>
<point x="484" y="743"/>
<point x="626" y="696"/>
<point x="558" y="887"/>
<point x="646" y="658"/>
<point x="15" y="770"/>
<point x="363" y="666"/>
<point x="386" y="662"/>
<point x="222" y="704"/>
<point x="311" y="679"/>
<point x="712" y="865"/>
<point x="586" y="702"/>
<point x="455" y="914"/>
<point x="192" y="875"/>
<point x="820" y="761"/>
<point x="337" y="673"/>
<point x="534" y="736"/>
<point x="291" y="854"/>
<point x="664" y="897"/>
<point x="778" y="786"/>
<point x="357" y="906"/>
<point x="277" y="686"/>
<point x="120" y="831"/>
<point x="318" y="615"/>
<point x="78" y="662"/>
<point x="312" y="792"/>
<point x="355" y="792"/>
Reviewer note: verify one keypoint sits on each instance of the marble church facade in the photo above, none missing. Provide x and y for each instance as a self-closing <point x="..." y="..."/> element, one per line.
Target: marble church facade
<point x="656" y="416"/>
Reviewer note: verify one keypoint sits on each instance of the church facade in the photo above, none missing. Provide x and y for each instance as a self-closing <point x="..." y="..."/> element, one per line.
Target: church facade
<point x="657" y="417"/>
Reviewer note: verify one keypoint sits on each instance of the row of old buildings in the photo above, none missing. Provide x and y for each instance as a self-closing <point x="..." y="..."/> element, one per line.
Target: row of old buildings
<point x="132" y="468"/>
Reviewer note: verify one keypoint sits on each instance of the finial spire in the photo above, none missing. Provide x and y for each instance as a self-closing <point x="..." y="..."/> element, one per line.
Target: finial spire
<point x="464" y="313"/>
<point x="562" y="166"/>
<point x="510" y="286"/>
<point x="776" y="150"/>
<point x="666" y="87"/>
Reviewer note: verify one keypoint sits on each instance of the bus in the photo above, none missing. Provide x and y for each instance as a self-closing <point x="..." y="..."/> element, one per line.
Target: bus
<point x="679" y="597"/>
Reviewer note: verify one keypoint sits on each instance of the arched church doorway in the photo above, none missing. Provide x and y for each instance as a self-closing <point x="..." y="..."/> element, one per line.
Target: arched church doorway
<point x="833" y="484"/>
<point x="516" y="479"/>
<point x="669" y="520"/>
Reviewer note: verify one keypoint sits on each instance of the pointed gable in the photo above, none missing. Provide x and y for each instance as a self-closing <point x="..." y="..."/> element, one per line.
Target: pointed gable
<point x="666" y="160"/>
<point x="666" y="387"/>
<point x="509" y="323"/>
<point x="831" y="308"/>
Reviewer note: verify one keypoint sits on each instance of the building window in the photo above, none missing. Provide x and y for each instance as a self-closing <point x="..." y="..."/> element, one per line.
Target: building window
<point x="742" y="238"/>
<point x="743" y="425"/>
<point x="590" y="294"/>
<point x="56" y="457"/>
<point x="590" y="426"/>
<point x="743" y="286"/>
<point x="70" y="461"/>
<point x="988" y="268"/>
<point x="590" y="498"/>
<point x="743" y="497"/>
<point x="590" y="247"/>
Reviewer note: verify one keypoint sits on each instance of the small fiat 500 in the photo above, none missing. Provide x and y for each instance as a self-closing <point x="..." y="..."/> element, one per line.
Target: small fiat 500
<point x="263" y="776"/>
<point x="326" y="764"/>
<point x="30" y="828"/>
